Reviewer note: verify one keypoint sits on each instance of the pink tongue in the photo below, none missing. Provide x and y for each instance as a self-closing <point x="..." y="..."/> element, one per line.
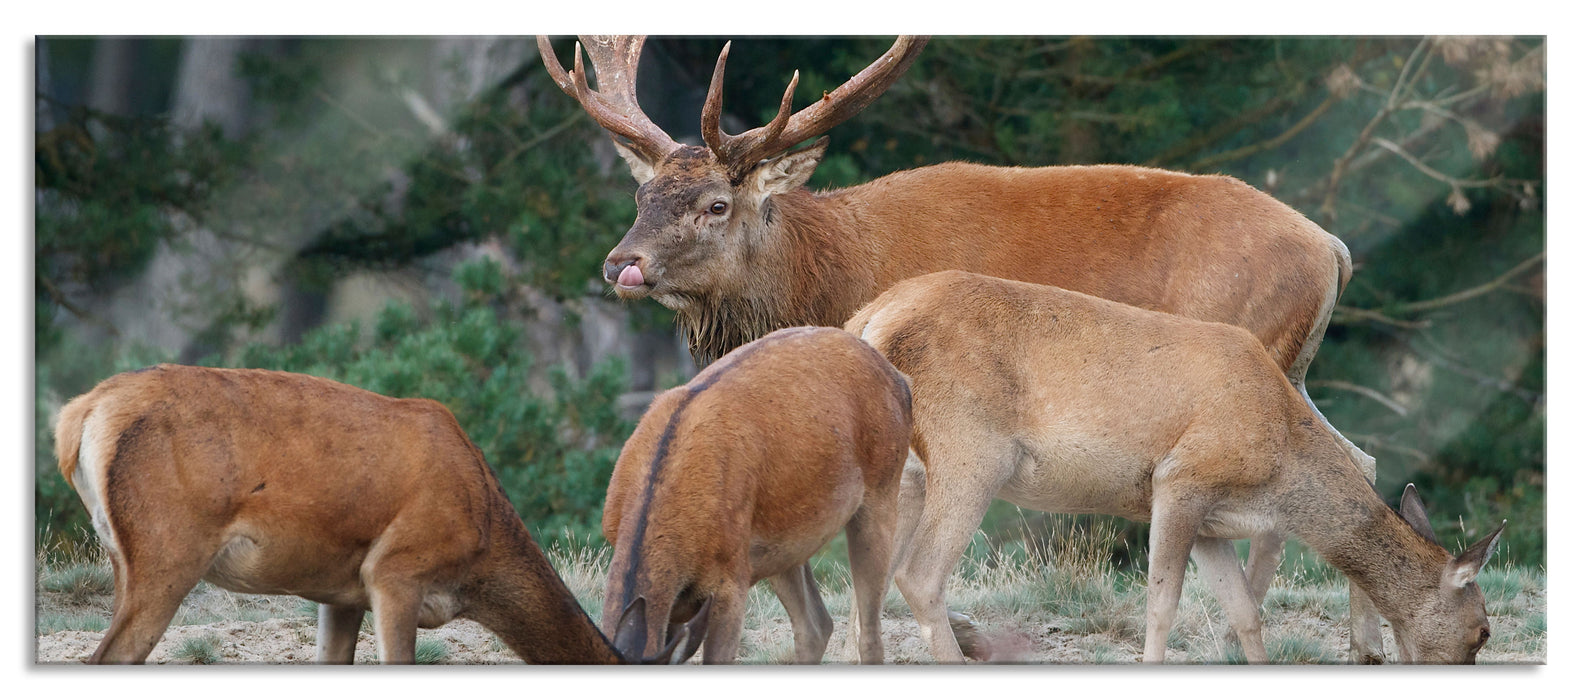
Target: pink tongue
<point x="630" y="277"/>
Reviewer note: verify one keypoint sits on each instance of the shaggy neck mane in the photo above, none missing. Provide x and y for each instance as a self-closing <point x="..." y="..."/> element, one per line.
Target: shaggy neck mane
<point x="802" y="271"/>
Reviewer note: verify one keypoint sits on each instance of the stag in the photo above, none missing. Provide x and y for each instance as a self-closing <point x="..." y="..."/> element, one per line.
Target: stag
<point x="744" y="473"/>
<point x="280" y="483"/>
<point x="1064" y="402"/>
<point x="728" y="237"/>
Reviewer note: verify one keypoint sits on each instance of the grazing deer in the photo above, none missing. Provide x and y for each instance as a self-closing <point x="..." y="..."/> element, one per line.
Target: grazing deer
<point x="280" y="483"/>
<point x="743" y="473"/>
<point x="1064" y="402"/>
<point x="727" y="236"/>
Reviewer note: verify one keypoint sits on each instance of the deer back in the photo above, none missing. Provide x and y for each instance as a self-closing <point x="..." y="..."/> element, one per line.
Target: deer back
<point x="750" y="467"/>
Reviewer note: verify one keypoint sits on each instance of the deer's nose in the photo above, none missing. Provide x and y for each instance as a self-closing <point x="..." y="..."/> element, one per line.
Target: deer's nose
<point x="615" y="269"/>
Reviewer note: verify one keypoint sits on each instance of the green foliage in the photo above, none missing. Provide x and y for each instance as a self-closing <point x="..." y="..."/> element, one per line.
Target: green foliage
<point x="110" y="189"/>
<point x="553" y="454"/>
<point x="516" y="166"/>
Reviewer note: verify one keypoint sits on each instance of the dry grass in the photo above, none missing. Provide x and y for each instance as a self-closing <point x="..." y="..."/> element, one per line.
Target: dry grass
<point x="1062" y="602"/>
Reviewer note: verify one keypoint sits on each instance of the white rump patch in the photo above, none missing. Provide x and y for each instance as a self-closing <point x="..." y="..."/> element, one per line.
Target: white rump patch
<point x="90" y="479"/>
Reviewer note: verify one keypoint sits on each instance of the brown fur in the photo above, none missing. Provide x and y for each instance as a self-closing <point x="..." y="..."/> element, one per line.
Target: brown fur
<point x="1207" y="247"/>
<point x="1202" y="246"/>
<point x="271" y="482"/>
<point x="1065" y="402"/>
<point x="744" y="472"/>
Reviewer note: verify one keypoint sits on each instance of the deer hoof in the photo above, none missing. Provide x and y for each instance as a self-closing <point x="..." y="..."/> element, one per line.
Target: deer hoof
<point x="966" y="632"/>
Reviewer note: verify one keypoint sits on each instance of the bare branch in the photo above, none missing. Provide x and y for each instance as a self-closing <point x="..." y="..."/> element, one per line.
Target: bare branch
<point x="1368" y="160"/>
<point x="1375" y="442"/>
<point x="1226" y="128"/>
<point x="1270" y="144"/>
<point x="1347" y="315"/>
<point x="59" y="297"/>
<point x="1472" y="292"/>
<point x="1394" y="406"/>
<point x="1426" y="170"/>
<point x="1402" y="84"/>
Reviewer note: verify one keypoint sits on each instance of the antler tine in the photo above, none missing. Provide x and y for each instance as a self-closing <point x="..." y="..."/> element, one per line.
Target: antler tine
<point x="614" y="106"/>
<point x="732" y="149"/>
<point x="741" y="152"/>
<point x="713" y="105"/>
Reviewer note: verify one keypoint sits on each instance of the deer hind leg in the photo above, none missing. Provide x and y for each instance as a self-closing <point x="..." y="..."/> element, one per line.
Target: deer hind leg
<point x="149" y="588"/>
<point x="971" y="477"/>
<point x="1176" y="518"/>
<point x="1216" y="563"/>
<point x="909" y="508"/>
<point x="870" y="536"/>
<point x="811" y="625"/>
<point x="338" y="627"/>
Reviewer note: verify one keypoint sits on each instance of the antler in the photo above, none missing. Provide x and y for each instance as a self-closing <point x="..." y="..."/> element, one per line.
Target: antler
<point x="614" y="106"/>
<point x="739" y="153"/>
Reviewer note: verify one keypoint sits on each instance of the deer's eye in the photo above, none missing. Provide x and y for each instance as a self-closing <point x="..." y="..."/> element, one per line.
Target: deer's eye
<point x="717" y="208"/>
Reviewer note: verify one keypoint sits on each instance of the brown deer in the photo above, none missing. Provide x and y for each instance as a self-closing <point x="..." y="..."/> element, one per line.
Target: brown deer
<point x="727" y="236"/>
<point x="743" y="473"/>
<point x="1064" y="402"/>
<point x="280" y="483"/>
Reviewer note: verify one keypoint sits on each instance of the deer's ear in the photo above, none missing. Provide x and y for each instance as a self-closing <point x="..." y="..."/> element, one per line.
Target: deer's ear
<point x="787" y="171"/>
<point x="1415" y="515"/>
<point x="692" y="633"/>
<point x="631" y="633"/>
<point x="1464" y="569"/>
<point x="642" y="170"/>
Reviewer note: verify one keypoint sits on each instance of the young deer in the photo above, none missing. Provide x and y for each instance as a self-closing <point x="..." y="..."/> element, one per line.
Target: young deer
<point x="729" y="238"/>
<point x="279" y="483"/>
<point x="1065" y="402"/>
<point x="743" y="473"/>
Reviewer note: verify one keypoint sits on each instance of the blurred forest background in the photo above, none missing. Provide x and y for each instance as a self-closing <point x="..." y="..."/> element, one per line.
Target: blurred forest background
<point x="426" y="217"/>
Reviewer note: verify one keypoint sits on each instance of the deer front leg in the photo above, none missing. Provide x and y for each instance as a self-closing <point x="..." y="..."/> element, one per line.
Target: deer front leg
<point x="811" y="624"/>
<point x="1216" y="563"/>
<point x="338" y="626"/>
<point x="1176" y="518"/>
<point x="1264" y="553"/>
<point x="729" y="611"/>
<point x="1367" y="639"/>
<point x="395" y="608"/>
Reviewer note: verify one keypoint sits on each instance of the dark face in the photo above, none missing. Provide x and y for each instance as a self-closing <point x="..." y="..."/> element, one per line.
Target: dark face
<point x="696" y="231"/>
<point x="682" y="236"/>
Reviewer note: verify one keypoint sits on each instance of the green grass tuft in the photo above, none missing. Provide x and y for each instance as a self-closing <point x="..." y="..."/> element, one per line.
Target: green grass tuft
<point x="199" y="650"/>
<point x="80" y="582"/>
<point x="431" y="651"/>
<point x="1501" y="584"/>
<point x="50" y="623"/>
<point x="1298" y="649"/>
